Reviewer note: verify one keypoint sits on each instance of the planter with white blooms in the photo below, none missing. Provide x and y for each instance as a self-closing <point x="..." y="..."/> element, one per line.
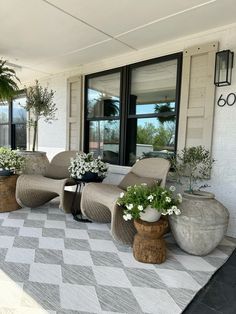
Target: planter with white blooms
<point x="149" y="203"/>
<point x="87" y="168"/>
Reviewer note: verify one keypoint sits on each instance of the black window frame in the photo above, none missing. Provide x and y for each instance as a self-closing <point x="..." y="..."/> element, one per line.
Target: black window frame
<point x="125" y="89"/>
<point x="11" y="125"/>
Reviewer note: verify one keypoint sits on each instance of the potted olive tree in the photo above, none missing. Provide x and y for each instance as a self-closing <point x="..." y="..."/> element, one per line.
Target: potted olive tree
<point x="40" y="105"/>
<point x="8" y="81"/>
<point x="204" y="220"/>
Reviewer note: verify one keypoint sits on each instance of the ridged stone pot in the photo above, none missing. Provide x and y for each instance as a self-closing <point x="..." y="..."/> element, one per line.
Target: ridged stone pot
<point x="35" y="162"/>
<point x="202" y="224"/>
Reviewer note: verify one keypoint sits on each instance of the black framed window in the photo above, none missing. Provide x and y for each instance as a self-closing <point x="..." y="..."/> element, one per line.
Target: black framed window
<point x="132" y="111"/>
<point x="102" y="115"/>
<point x="13" y="123"/>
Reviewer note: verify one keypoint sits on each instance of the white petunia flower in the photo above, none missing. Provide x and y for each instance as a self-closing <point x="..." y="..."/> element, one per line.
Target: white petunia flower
<point x="177" y="211"/>
<point x="172" y="188"/>
<point x="122" y="194"/>
<point x="150" y="198"/>
<point x="168" y="199"/>
<point x="140" y="208"/>
<point x="170" y="211"/>
<point x="127" y="217"/>
<point x="129" y="206"/>
<point x="144" y="184"/>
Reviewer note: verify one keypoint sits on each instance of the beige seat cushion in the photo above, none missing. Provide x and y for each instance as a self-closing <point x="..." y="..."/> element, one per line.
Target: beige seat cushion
<point x="132" y="179"/>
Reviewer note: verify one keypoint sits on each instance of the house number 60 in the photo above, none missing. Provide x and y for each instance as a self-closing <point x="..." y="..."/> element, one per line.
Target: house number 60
<point x="230" y="100"/>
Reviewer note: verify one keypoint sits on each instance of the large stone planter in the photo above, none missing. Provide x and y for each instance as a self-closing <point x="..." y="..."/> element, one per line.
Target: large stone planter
<point x="35" y="162"/>
<point x="201" y="225"/>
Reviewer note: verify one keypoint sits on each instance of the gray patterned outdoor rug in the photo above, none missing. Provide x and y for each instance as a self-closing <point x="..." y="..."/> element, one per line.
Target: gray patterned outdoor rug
<point x="50" y="263"/>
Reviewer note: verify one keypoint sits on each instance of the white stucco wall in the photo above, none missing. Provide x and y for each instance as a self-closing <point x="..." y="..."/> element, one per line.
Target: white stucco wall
<point x="52" y="138"/>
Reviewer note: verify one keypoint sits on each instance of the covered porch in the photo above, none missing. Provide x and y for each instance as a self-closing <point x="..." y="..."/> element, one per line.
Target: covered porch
<point x="132" y="79"/>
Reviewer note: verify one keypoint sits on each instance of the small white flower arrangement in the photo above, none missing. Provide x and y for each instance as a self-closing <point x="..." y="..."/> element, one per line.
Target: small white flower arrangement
<point x="10" y="160"/>
<point x="139" y="197"/>
<point x="86" y="163"/>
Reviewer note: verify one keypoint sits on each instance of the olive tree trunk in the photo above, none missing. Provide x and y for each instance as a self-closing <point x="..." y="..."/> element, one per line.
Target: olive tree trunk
<point x="35" y="128"/>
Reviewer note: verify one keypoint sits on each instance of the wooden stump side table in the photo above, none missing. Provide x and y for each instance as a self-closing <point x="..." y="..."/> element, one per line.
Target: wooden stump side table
<point x="149" y="245"/>
<point x="7" y="193"/>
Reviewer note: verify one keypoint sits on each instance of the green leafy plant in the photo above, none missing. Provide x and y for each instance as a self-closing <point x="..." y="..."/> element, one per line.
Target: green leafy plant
<point x="10" y="160"/>
<point x="39" y="102"/>
<point x="165" y="108"/>
<point x="8" y="81"/>
<point x="139" y="197"/>
<point x="193" y="163"/>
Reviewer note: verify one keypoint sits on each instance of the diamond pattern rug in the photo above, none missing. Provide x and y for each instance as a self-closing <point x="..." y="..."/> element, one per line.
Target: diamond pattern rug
<point x="50" y="263"/>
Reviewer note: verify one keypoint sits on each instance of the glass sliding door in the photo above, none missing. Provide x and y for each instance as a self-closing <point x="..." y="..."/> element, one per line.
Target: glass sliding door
<point x="103" y="116"/>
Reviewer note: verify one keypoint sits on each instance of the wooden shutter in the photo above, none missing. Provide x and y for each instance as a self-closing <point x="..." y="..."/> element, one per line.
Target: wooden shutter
<point x="197" y="96"/>
<point x="74" y="113"/>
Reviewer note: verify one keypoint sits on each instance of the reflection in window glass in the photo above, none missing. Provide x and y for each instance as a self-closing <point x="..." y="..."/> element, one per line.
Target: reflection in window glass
<point x="104" y="139"/>
<point x="20" y="136"/>
<point x="4" y="112"/>
<point x="151" y="137"/>
<point x="104" y="96"/>
<point x="153" y="88"/>
<point x="4" y="135"/>
<point x="18" y="112"/>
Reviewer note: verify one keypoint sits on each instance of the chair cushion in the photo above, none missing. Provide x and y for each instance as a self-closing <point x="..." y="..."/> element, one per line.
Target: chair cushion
<point x="132" y="179"/>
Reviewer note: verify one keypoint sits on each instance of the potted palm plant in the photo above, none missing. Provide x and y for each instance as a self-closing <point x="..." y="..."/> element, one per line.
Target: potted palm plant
<point x="204" y="220"/>
<point x="40" y="105"/>
<point x="8" y="81"/>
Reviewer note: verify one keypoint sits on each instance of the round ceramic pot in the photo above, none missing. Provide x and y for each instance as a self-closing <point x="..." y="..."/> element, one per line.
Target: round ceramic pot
<point x="150" y="214"/>
<point x="35" y="162"/>
<point x="5" y="173"/>
<point x="89" y="176"/>
<point x="202" y="224"/>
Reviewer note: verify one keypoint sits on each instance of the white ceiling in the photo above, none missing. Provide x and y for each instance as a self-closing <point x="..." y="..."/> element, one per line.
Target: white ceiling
<point x="49" y="36"/>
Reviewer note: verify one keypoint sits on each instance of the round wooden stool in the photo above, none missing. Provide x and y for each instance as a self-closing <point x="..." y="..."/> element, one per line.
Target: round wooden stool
<point x="149" y="246"/>
<point x="7" y="194"/>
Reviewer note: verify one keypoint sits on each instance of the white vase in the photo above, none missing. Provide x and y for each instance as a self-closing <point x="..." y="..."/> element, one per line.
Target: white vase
<point x="150" y="214"/>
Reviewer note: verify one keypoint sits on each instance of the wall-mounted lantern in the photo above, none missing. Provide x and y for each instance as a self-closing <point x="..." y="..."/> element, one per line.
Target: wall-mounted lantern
<point x="223" y="68"/>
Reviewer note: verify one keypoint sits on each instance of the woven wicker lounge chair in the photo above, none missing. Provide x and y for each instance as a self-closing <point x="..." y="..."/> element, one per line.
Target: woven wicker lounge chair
<point x="98" y="200"/>
<point x="36" y="190"/>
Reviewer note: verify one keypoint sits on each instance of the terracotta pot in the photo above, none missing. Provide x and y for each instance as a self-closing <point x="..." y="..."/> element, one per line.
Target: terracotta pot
<point x="35" y="162"/>
<point x="202" y="224"/>
<point x="150" y="214"/>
